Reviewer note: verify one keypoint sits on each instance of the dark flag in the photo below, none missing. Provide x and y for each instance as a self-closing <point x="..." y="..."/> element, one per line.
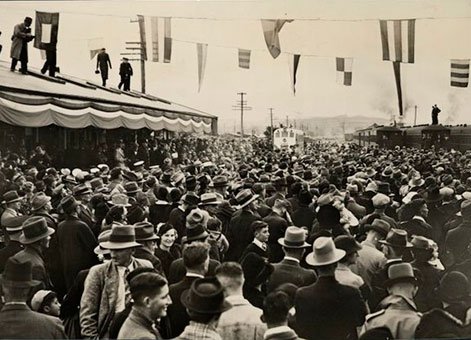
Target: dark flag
<point x="46" y="30"/>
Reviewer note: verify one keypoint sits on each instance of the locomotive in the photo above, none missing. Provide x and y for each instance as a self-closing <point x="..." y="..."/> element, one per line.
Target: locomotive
<point x="457" y="137"/>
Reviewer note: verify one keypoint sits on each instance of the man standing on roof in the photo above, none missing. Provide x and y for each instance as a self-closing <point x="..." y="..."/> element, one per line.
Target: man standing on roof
<point x="19" y="48"/>
<point x="102" y="62"/>
<point x="125" y="71"/>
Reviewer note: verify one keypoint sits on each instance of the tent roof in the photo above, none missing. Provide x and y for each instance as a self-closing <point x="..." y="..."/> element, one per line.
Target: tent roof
<point x="34" y="101"/>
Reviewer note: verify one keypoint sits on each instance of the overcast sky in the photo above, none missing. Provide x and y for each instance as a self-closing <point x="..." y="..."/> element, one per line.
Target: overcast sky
<point x="339" y="28"/>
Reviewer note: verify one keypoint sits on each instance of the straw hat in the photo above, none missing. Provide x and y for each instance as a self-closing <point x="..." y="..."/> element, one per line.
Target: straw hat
<point x="324" y="252"/>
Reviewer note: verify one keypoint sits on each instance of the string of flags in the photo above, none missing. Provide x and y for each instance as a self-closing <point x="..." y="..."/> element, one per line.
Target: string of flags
<point x="397" y="43"/>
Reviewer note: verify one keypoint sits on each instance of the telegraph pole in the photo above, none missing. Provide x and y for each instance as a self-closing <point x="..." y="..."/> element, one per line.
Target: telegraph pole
<point x="241" y="105"/>
<point x="271" y="125"/>
<point x="138" y="46"/>
<point x="415" y="116"/>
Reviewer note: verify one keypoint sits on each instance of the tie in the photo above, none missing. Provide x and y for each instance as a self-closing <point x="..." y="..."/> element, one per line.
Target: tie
<point x="127" y="292"/>
<point x="264" y="246"/>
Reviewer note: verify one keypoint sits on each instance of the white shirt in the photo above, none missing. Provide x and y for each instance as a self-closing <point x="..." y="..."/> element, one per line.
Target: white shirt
<point x="121" y="296"/>
<point x="260" y="244"/>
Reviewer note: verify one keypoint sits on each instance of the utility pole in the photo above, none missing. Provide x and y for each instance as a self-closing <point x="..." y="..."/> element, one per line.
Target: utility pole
<point x="241" y="105"/>
<point x="287" y="126"/>
<point x="415" y="116"/>
<point x="271" y="126"/>
<point x="138" y="46"/>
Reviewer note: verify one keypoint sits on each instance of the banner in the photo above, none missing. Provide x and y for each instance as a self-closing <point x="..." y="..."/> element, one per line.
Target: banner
<point x="244" y="58"/>
<point x="397" y="76"/>
<point x="344" y="71"/>
<point x="95" y="45"/>
<point x="142" y="33"/>
<point x="271" y="28"/>
<point x="154" y="22"/>
<point x="202" y="51"/>
<point x="46" y="30"/>
<point x="293" y="70"/>
<point x="459" y="72"/>
<point x="398" y="40"/>
<point x="167" y="40"/>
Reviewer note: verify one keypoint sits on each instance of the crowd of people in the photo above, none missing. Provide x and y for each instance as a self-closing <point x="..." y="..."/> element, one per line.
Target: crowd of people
<point x="233" y="240"/>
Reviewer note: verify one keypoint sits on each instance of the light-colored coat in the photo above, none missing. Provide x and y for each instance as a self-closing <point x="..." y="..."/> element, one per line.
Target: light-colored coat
<point x="17" y="40"/>
<point x="98" y="303"/>
<point x="242" y="321"/>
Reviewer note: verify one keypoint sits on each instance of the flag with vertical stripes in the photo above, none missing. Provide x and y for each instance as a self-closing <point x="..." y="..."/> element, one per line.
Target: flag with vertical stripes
<point x="46" y="30"/>
<point x="398" y="40"/>
<point x="459" y="72"/>
<point x="202" y="51"/>
<point x="244" y="58"/>
<point x="154" y="24"/>
<point x="142" y="33"/>
<point x="294" y="63"/>
<point x="344" y="71"/>
<point x="167" y="40"/>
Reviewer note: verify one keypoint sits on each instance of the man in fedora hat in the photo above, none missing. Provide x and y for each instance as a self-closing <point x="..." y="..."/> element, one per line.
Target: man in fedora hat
<point x="14" y="246"/>
<point x="177" y="216"/>
<point x="277" y="224"/>
<point x="370" y="259"/>
<point x="328" y="309"/>
<point x="76" y="242"/>
<point x="17" y="320"/>
<point x="11" y="214"/>
<point x="82" y="193"/>
<point x="380" y="203"/>
<point x="239" y="232"/>
<point x="125" y="72"/>
<point x="205" y="303"/>
<point x="106" y="291"/>
<point x="196" y="262"/>
<point x="399" y="312"/>
<point x="242" y="321"/>
<point x="289" y="269"/>
<point x="146" y="236"/>
<point x="35" y="238"/>
<point x="394" y="247"/>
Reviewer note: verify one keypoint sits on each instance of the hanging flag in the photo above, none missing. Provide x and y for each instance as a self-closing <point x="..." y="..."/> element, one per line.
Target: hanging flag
<point x="459" y="72"/>
<point x="95" y="45"/>
<point x="154" y="22"/>
<point x="46" y="30"/>
<point x="293" y="69"/>
<point x="244" y="58"/>
<point x="167" y="40"/>
<point x="271" y="28"/>
<point x="344" y="71"/>
<point x="202" y="50"/>
<point x="398" y="40"/>
<point x="397" y="76"/>
<point x="142" y="33"/>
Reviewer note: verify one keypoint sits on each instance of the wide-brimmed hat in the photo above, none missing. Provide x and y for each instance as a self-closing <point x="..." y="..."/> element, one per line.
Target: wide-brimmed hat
<point x="416" y="182"/>
<point x="103" y="237"/>
<point x="385" y="188"/>
<point x="166" y="177"/>
<point x="454" y="288"/>
<point x="39" y="200"/>
<point x="380" y="200"/>
<point x="81" y="189"/>
<point x="432" y="194"/>
<point x="324" y="252"/>
<point x="420" y="243"/>
<point x="295" y="237"/>
<point x="34" y="229"/>
<point x="387" y="172"/>
<point x="68" y="202"/>
<point x="11" y="196"/>
<point x="145" y="232"/>
<point x="121" y="237"/>
<point x="219" y="181"/>
<point x="120" y="200"/>
<point x="131" y="188"/>
<point x="400" y="272"/>
<point x="194" y="233"/>
<point x="191" y="199"/>
<point x="96" y="182"/>
<point x="244" y="198"/>
<point x="347" y="243"/>
<point x="18" y="274"/>
<point x="14" y="224"/>
<point x="396" y="238"/>
<point x="205" y="296"/>
<point x="209" y="198"/>
<point x="379" y="225"/>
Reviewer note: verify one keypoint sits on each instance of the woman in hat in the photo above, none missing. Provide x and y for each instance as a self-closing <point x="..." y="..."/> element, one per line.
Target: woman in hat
<point x="168" y="250"/>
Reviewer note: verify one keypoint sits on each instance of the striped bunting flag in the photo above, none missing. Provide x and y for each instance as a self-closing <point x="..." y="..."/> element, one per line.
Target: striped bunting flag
<point x="202" y="52"/>
<point x="398" y="40"/>
<point x="244" y="58"/>
<point x="154" y="23"/>
<point x="167" y="39"/>
<point x="459" y="72"/>
<point x="344" y="71"/>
